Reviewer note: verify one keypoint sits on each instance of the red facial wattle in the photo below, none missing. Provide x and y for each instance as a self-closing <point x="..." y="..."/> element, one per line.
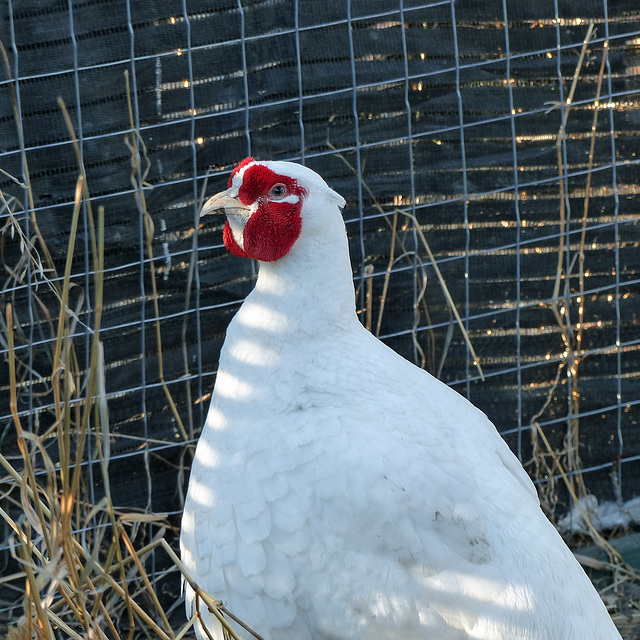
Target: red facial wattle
<point x="275" y="225"/>
<point x="231" y="244"/>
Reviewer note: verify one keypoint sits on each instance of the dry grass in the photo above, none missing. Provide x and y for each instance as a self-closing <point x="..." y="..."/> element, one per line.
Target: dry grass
<point x="623" y="589"/>
<point x="80" y="567"/>
<point x="81" y="570"/>
<point x="82" y="564"/>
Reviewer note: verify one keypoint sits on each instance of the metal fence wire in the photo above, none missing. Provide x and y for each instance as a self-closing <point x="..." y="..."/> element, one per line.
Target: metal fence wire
<point x="488" y="151"/>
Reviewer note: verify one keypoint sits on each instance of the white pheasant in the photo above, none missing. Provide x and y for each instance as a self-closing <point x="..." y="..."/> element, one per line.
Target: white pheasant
<point x="338" y="492"/>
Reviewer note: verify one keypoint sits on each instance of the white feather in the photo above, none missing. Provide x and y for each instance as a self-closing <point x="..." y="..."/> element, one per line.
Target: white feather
<point x="340" y="493"/>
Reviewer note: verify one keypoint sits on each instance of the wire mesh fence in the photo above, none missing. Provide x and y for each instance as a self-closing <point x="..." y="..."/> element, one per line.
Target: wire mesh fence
<point x="488" y="152"/>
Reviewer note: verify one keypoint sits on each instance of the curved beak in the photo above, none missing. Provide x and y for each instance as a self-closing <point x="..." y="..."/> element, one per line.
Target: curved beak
<point x="226" y="202"/>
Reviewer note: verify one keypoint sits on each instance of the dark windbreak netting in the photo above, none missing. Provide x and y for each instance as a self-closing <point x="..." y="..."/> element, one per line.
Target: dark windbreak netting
<point x="488" y="152"/>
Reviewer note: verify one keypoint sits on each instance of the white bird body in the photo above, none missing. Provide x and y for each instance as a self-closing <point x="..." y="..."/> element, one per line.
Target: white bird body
<point x="338" y="492"/>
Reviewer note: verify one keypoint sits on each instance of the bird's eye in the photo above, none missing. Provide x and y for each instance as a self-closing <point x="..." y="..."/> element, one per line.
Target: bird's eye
<point x="278" y="191"/>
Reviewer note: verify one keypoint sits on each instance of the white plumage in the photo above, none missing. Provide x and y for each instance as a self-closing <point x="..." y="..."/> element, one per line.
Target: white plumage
<point x="338" y="492"/>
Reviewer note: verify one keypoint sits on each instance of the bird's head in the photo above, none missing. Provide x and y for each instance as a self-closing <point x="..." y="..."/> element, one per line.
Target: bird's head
<point x="269" y="205"/>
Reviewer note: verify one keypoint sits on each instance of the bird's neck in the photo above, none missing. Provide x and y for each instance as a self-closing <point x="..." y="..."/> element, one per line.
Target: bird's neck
<point x="301" y="309"/>
<point x="308" y="292"/>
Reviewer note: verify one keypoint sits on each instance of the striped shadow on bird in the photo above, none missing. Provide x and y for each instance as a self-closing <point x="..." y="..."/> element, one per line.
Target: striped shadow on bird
<point x="339" y="492"/>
